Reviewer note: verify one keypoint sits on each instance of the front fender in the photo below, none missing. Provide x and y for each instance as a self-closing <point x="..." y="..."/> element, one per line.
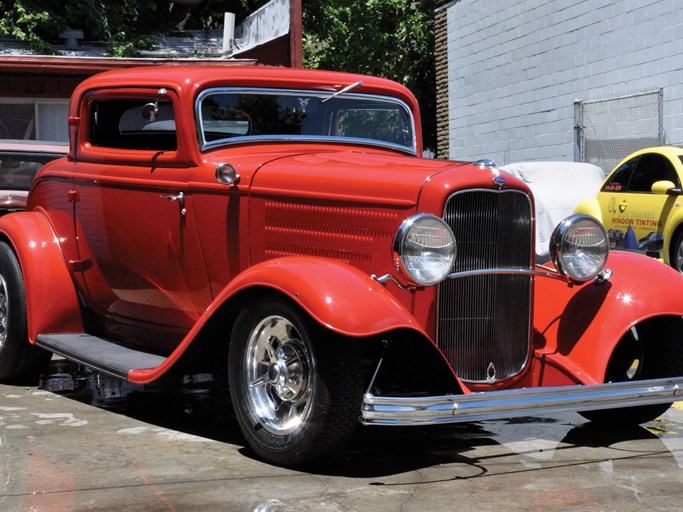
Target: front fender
<point x="335" y="294"/>
<point x="51" y="300"/>
<point x="578" y="329"/>
<point x="590" y="206"/>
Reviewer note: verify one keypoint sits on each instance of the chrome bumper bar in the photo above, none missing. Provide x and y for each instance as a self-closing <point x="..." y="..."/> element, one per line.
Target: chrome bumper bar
<point x="378" y="410"/>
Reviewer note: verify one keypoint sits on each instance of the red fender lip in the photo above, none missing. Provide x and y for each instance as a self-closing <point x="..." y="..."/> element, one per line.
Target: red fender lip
<point x="49" y="287"/>
<point x="336" y="295"/>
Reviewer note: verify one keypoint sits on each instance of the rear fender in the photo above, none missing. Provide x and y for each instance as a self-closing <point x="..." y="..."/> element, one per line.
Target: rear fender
<point x="51" y="301"/>
<point x="580" y="327"/>
<point x="336" y="295"/>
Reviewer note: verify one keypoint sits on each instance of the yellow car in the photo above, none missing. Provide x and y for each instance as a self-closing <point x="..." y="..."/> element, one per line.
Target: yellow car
<point x="640" y="204"/>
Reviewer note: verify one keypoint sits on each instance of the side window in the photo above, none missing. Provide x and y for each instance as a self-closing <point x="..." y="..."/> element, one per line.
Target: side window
<point x="619" y="180"/>
<point x="652" y="168"/>
<point x="121" y="124"/>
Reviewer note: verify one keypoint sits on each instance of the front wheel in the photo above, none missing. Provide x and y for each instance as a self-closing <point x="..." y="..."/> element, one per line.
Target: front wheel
<point x="19" y="360"/>
<point x="653" y="350"/>
<point x="295" y="387"/>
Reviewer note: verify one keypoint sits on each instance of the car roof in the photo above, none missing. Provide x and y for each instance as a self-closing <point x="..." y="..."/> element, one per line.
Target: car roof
<point x="666" y="150"/>
<point x="193" y="74"/>
<point x="187" y="79"/>
<point x="676" y="149"/>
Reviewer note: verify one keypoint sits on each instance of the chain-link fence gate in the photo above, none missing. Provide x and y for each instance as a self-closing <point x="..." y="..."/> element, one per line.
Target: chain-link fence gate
<point x="606" y="130"/>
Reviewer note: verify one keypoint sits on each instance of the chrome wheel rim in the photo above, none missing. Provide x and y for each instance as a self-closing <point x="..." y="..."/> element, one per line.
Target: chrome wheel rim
<point x="278" y="375"/>
<point x="4" y="311"/>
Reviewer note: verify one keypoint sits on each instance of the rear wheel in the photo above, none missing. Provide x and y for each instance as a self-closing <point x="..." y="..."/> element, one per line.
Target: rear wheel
<point x="650" y="351"/>
<point x="19" y="360"/>
<point x="295" y="387"/>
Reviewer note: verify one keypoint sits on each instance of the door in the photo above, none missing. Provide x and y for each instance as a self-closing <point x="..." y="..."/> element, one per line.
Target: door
<point x="631" y="210"/>
<point x="140" y="259"/>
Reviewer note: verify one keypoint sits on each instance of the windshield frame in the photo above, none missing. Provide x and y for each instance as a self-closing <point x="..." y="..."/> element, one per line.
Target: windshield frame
<point x="205" y="145"/>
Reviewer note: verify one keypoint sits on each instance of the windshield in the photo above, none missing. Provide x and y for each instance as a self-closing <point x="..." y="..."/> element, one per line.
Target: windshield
<point x="237" y="115"/>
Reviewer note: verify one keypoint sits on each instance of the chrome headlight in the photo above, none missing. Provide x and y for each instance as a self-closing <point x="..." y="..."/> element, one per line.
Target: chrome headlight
<point x="424" y="249"/>
<point x="579" y="247"/>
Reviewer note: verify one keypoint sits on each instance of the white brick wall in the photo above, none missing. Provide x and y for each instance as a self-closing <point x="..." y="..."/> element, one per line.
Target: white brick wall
<point x="515" y="68"/>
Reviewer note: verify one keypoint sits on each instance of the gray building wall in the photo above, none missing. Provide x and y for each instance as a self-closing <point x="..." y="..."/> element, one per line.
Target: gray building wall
<point x="515" y="69"/>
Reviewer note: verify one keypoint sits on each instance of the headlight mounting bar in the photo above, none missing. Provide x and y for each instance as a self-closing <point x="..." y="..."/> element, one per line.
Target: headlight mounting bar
<point x="551" y="273"/>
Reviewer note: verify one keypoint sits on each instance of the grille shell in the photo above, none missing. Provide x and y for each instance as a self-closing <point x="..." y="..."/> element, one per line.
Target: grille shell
<point x="484" y="320"/>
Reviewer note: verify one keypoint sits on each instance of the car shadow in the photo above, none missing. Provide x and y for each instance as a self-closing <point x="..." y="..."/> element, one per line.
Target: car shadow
<point x="199" y="406"/>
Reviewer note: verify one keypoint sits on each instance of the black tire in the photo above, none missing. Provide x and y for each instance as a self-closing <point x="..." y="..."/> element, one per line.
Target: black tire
<point x="650" y="351"/>
<point x="676" y="251"/>
<point x="306" y="384"/>
<point x="20" y="362"/>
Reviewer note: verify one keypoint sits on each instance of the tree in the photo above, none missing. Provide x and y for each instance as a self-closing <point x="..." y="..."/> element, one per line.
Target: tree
<point x="389" y="38"/>
<point x="21" y="22"/>
<point x="125" y="25"/>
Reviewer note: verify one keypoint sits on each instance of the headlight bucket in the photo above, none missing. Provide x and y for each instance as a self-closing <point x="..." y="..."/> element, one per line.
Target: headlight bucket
<point x="424" y="249"/>
<point x="579" y="247"/>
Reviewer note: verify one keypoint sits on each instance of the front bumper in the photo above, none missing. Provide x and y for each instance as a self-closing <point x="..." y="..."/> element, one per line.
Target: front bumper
<point x="378" y="410"/>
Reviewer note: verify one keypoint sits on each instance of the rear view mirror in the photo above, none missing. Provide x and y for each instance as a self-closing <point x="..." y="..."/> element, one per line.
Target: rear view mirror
<point x="150" y="111"/>
<point x="663" y="187"/>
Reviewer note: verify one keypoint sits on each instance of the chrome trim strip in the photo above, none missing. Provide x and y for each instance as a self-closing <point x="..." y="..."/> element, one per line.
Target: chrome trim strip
<point x="508" y="271"/>
<point x="322" y="139"/>
<point x="603" y="276"/>
<point x="433" y="410"/>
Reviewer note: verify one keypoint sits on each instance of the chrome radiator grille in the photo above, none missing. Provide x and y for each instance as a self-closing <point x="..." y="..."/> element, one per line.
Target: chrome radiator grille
<point x="484" y="320"/>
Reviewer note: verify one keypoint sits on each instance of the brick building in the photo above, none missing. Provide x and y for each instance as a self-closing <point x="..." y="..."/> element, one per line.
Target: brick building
<point x="509" y="75"/>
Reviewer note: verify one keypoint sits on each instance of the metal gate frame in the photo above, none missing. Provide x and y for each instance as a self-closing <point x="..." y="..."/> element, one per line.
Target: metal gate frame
<point x="616" y="140"/>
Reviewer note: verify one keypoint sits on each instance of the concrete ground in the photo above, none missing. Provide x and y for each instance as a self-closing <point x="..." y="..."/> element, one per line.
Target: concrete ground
<point x="105" y="447"/>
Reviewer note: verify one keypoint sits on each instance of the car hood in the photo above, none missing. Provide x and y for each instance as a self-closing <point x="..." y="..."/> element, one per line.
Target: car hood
<point x="368" y="178"/>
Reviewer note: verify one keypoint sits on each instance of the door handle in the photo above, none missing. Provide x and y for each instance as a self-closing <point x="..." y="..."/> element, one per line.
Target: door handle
<point x="180" y="198"/>
<point x="622" y="206"/>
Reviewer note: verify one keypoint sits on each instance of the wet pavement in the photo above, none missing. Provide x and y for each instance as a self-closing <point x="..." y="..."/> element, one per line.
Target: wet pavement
<point x="105" y="446"/>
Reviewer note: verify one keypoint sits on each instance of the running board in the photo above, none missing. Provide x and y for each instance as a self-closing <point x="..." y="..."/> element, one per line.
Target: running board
<point x="99" y="353"/>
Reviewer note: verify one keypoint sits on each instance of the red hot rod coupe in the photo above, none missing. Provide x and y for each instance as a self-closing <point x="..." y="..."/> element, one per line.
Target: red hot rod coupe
<point x="279" y="227"/>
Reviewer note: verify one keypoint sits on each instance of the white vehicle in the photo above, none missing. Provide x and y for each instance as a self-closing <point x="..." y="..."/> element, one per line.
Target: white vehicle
<point x="558" y="188"/>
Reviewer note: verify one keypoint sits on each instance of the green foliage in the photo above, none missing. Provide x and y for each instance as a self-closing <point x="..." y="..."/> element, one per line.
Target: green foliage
<point x="389" y="38"/>
<point x="21" y="20"/>
<point x="124" y="26"/>
<point x="122" y="46"/>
